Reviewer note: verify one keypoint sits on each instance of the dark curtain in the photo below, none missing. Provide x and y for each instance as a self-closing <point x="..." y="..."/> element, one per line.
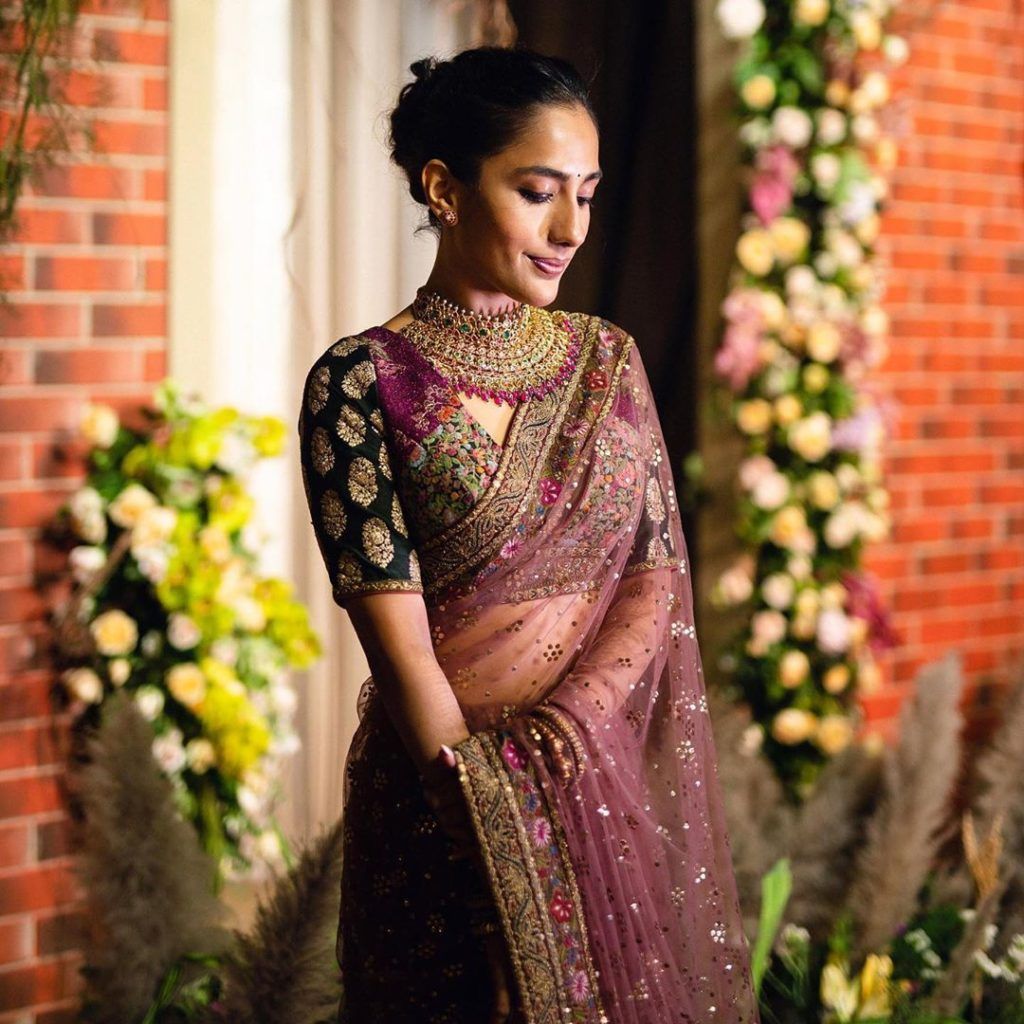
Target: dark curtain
<point x="638" y="266"/>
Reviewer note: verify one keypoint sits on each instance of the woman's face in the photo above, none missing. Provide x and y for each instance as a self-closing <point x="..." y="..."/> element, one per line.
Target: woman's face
<point x="532" y="203"/>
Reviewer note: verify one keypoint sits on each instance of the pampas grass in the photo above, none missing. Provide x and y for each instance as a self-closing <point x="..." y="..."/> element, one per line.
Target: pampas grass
<point x="148" y="884"/>
<point x="906" y="830"/>
<point x="285" y="971"/>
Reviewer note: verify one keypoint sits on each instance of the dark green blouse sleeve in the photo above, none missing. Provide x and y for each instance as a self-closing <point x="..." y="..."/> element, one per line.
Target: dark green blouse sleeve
<point x="348" y="477"/>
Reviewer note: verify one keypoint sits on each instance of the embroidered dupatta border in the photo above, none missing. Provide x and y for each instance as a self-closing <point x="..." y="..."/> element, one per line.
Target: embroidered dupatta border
<point x="489" y="786"/>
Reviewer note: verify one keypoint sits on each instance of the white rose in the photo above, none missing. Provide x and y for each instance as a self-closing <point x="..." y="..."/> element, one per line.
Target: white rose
<point x="153" y="526"/>
<point x="284" y="699"/>
<point x="895" y="49"/>
<point x="236" y="454"/>
<point x="85" y="561"/>
<point x="153" y="562"/>
<point x="875" y="88"/>
<point x="250" y="614"/>
<point x="85" y="508"/>
<point x="83" y="684"/>
<point x="756" y="132"/>
<point x="753" y="468"/>
<point x="225" y="649"/>
<point x="778" y="589"/>
<point x="770" y="491"/>
<point x="833" y="632"/>
<point x="874" y="321"/>
<point x="831" y="126"/>
<point x="773" y="309"/>
<point x="833" y="734"/>
<point x="823" y="341"/>
<point x="799" y="566"/>
<point x="801" y="280"/>
<point x="169" y="752"/>
<point x="250" y="801"/>
<point x="99" y="424"/>
<point x="768" y="626"/>
<point x="823" y="490"/>
<point x="825" y="169"/>
<point x="792" y="127"/>
<point x="866" y="29"/>
<point x="740" y="19"/>
<point x="752" y="739"/>
<point x="150" y="701"/>
<point x="865" y="130"/>
<point x="846" y="250"/>
<point x="841" y="527"/>
<point x="286" y="744"/>
<point x="269" y="846"/>
<point x="114" y="632"/>
<point x="152" y="643"/>
<point x="733" y="587"/>
<point x="182" y="631"/>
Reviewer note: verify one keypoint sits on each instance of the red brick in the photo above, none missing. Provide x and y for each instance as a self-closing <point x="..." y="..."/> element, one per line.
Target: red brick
<point x="129" y="47"/>
<point x="87" y="273"/>
<point x="129" y="229"/>
<point x="37" y="984"/>
<point x="29" y="745"/>
<point x="129" y="321"/>
<point x="28" y="794"/>
<point x="15" y="366"/>
<point x="109" y="89"/>
<point x="88" y="366"/>
<point x="129" y="137"/>
<point x="37" y="320"/>
<point x="17" y="940"/>
<point x="156" y="275"/>
<point x="27" y="415"/>
<point x="16" y="845"/>
<point x="154" y="93"/>
<point x="37" y="226"/>
<point x="89" y="181"/>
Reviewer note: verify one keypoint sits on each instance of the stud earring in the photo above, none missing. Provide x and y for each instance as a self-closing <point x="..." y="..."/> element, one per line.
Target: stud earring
<point x="450" y="217"/>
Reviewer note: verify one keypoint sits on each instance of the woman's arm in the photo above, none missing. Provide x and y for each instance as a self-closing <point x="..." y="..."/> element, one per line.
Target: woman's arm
<point x="395" y="634"/>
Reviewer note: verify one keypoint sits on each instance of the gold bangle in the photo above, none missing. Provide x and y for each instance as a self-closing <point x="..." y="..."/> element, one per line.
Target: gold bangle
<point x="564" y="726"/>
<point x="557" y="746"/>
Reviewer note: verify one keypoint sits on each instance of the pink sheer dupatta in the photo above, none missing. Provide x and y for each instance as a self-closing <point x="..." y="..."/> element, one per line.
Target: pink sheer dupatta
<point x="569" y="584"/>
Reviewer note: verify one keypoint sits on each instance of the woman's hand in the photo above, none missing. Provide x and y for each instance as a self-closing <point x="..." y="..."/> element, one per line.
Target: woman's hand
<point x="443" y="793"/>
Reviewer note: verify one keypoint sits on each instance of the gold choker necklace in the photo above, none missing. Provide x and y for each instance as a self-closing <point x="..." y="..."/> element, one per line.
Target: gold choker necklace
<point x="504" y="357"/>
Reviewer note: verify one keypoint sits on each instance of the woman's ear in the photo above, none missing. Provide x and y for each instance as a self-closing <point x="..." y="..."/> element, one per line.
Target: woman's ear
<point x="438" y="186"/>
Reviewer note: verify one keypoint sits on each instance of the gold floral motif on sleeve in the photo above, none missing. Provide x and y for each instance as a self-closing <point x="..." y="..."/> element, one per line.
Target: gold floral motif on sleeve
<point x="397" y="517"/>
<point x="384" y="463"/>
<point x="332" y="514"/>
<point x="319" y="386"/>
<point x="357" y="381"/>
<point x="362" y="481"/>
<point x="351" y="427"/>
<point x="377" y="542"/>
<point x="349" y="573"/>
<point x="321" y="452"/>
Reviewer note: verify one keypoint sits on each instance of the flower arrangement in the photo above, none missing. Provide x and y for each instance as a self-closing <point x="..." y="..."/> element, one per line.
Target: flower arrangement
<point x="894" y="891"/>
<point x="803" y="325"/>
<point x="168" y="605"/>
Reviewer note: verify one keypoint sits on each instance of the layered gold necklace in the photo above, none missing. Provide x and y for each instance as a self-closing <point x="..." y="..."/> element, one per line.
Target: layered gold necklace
<point x="504" y="357"/>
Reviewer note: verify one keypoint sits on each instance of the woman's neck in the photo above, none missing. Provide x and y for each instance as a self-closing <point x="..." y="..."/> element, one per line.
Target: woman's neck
<point x="465" y="295"/>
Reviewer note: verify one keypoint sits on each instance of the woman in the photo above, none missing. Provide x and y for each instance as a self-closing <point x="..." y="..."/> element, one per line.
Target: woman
<point x="533" y="826"/>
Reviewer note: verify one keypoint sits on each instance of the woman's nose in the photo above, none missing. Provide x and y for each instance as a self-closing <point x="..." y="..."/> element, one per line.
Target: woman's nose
<point x="569" y="226"/>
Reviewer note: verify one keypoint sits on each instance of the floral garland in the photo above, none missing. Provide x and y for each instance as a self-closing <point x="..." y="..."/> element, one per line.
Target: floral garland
<point x="169" y="606"/>
<point x="803" y="325"/>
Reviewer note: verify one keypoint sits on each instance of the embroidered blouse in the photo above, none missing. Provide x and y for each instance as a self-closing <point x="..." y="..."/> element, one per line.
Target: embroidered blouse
<point x="349" y="478"/>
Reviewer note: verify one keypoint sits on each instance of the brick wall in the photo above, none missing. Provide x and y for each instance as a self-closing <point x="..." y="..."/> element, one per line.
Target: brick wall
<point x="86" y="276"/>
<point x="953" y="235"/>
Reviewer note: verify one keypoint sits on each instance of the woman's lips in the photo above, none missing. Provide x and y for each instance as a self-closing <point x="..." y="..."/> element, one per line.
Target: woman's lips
<point x="550" y="267"/>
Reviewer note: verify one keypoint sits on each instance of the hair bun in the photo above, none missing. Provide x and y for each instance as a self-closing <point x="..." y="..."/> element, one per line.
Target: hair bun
<point x="423" y="68"/>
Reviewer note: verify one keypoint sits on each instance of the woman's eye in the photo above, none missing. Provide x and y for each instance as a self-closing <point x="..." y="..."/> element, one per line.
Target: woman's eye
<point x="544" y="197"/>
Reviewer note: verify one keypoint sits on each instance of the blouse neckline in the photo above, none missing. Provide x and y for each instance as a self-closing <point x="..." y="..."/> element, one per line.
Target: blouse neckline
<point x="513" y="425"/>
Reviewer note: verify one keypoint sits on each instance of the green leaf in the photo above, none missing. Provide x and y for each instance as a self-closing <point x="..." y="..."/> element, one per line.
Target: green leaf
<point x="775" y="889"/>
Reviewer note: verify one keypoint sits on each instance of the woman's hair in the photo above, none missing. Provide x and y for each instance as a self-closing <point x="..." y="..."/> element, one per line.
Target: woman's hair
<point x="474" y="105"/>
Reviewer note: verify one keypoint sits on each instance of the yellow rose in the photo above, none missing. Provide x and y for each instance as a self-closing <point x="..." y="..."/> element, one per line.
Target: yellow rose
<point x="837" y="92"/>
<point x="867" y="231"/>
<point x="811" y="437"/>
<point x="823" y="490"/>
<point x="153" y="526"/>
<point x="810" y="12"/>
<point x="788" y="408"/>
<point x="834" y="733"/>
<point x="789" y="522"/>
<point x="794" y="667"/>
<point x="129" y="505"/>
<point x="773" y="309"/>
<point x="755" y="251"/>
<point x="754" y="416"/>
<point x="83" y="684"/>
<point x="886" y="153"/>
<point x="823" y="341"/>
<point x="869" y="677"/>
<point x="200" y="754"/>
<point x="99" y="425"/>
<point x="215" y="543"/>
<point x="836" y="678"/>
<point x="758" y="91"/>
<point x="866" y="29"/>
<point x="793" y="725"/>
<point x="789" y="236"/>
<point x="187" y="684"/>
<point x="114" y="632"/>
<point x="803" y="627"/>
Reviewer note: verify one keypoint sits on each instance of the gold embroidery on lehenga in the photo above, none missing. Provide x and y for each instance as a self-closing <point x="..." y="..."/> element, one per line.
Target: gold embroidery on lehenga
<point x="332" y="514"/>
<point x="321" y="452"/>
<point x="362" y="481"/>
<point x="655" y="506"/>
<point x="377" y="542"/>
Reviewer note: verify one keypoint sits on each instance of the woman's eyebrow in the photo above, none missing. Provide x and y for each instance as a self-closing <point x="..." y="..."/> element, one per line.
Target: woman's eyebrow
<point x="550" y="172"/>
